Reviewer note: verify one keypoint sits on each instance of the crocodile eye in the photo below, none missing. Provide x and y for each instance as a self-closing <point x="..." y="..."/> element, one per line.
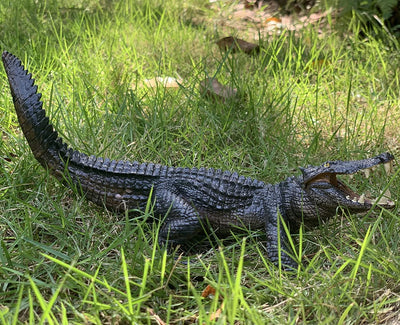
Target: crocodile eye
<point x="326" y="165"/>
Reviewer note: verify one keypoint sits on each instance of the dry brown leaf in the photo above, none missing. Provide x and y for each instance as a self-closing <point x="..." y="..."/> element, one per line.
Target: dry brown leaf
<point x="157" y="318"/>
<point x="167" y="82"/>
<point x="212" y="88"/>
<point x="217" y="313"/>
<point x="273" y="19"/>
<point x="209" y="290"/>
<point x="236" y="45"/>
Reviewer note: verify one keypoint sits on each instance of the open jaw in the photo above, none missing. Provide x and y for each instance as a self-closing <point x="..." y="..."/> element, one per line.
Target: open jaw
<point x="324" y="178"/>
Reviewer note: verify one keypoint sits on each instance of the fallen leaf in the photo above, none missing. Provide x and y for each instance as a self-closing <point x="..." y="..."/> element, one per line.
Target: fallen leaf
<point x="273" y="20"/>
<point x="212" y="88"/>
<point x="272" y="23"/>
<point x="157" y="318"/>
<point x="209" y="290"/>
<point x="236" y="45"/>
<point x="217" y="313"/>
<point x="167" y="82"/>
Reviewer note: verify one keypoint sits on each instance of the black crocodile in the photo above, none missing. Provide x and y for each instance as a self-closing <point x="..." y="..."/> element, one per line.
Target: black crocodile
<point x="191" y="199"/>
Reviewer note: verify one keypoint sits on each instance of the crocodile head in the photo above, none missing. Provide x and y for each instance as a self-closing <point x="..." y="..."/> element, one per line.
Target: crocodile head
<point x="323" y="192"/>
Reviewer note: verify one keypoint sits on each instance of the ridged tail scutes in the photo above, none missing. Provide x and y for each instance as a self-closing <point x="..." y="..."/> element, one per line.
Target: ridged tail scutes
<point x="46" y="146"/>
<point x="117" y="184"/>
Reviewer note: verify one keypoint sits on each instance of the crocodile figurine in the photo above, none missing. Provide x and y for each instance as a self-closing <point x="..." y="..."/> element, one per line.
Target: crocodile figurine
<point x="191" y="199"/>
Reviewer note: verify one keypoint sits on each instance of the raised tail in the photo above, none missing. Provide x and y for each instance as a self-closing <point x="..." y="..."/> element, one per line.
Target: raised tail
<point x="46" y="146"/>
<point x="117" y="184"/>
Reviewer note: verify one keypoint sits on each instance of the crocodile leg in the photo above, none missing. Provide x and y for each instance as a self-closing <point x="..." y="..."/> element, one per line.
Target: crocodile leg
<point x="182" y="224"/>
<point x="277" y="244"/>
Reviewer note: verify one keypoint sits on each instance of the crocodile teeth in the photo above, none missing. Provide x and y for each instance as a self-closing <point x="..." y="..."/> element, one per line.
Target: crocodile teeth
<point x="387" y="194"/>
<point x="388" y="167"/>
<point x="361" y="199"/>
<point x="348" y="197"/>
<point x="384" y="200"/>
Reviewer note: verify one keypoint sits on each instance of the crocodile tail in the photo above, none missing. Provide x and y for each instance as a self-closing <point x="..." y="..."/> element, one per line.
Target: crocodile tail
<point x="46" y="146"/>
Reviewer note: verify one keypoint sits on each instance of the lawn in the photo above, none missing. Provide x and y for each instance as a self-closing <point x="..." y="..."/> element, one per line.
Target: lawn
<point x="309" y="95"/>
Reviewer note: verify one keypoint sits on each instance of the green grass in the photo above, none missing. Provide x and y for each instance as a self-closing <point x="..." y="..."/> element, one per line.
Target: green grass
<point x="64" y="260"/>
